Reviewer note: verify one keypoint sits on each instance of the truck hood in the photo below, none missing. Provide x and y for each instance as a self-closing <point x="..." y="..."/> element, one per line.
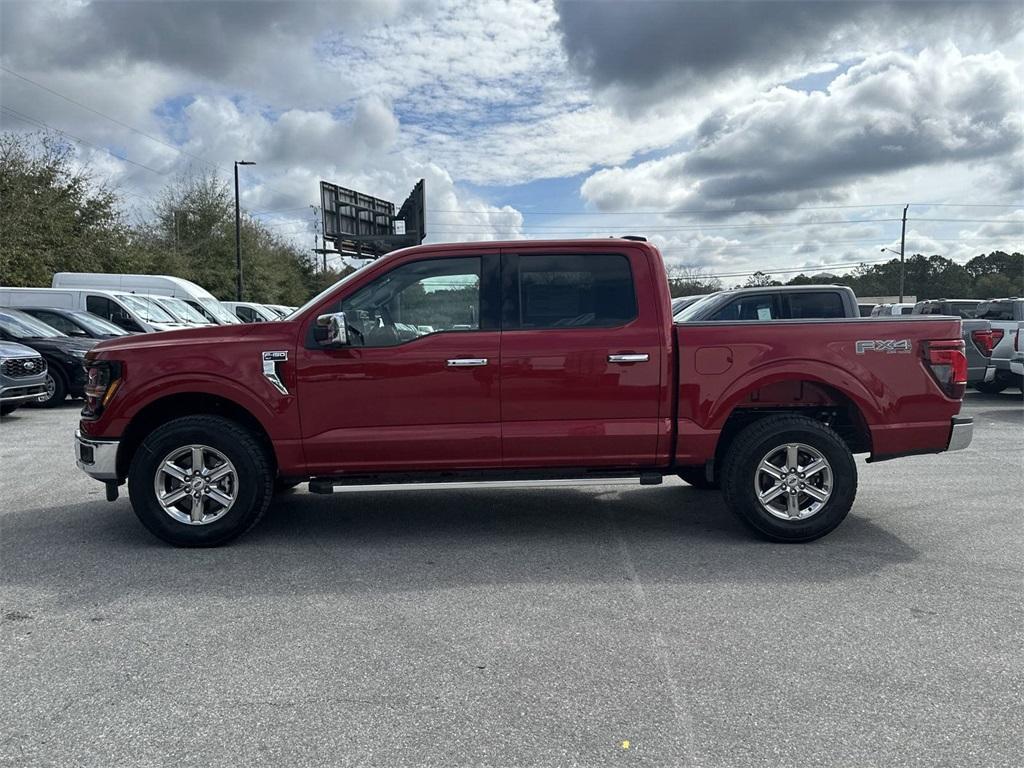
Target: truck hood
<point x="175" y="341"/>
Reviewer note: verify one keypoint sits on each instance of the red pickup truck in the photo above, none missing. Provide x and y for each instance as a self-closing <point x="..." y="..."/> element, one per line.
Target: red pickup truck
<point x="516" y="360"/>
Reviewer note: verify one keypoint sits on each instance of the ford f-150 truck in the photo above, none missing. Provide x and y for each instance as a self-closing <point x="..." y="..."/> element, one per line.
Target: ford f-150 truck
<point x="517" y="360"/>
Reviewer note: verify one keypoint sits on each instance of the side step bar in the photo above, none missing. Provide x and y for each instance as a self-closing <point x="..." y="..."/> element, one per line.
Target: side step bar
<point x="326" y="485"/>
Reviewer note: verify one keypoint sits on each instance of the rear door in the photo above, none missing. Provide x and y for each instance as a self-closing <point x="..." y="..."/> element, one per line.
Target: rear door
<point x="580" y="359"/>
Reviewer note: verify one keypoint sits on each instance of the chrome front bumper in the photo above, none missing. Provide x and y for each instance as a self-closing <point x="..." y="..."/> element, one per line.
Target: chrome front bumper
<point x="97" y="458"/>
<point x="21" y="394"/>
<point x="961" y="434"/>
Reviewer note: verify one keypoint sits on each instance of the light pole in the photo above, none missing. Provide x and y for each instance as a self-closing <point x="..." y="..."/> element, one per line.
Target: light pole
<point x="238" y="234"/>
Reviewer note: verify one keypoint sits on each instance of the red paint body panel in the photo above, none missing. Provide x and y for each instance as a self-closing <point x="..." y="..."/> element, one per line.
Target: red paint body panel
<point x="546" y="398"/>
<point x="563" y="403"/>
<point x="401" y="407"/>
<point x="888" y="388"/>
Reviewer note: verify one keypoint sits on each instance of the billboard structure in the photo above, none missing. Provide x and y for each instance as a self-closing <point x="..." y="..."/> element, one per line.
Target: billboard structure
<point x="366" y="227"/>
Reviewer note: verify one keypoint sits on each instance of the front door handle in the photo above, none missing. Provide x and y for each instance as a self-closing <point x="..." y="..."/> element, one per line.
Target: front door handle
<point x="641" y="358"/>
<point x="467" y="362"/>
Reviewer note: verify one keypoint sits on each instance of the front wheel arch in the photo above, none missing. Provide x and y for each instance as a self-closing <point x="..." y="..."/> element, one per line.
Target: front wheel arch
<point x="186" y="404"/>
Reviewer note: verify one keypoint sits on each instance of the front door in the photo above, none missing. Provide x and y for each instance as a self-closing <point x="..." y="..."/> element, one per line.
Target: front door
<point x="582" y="361"/>
<point x="417" y="386"/>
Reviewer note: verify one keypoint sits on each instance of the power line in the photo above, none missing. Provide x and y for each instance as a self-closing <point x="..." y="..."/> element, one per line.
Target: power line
<point x="44" y="124"/>
<point x="714" y="211"/>
<point x="123" y="124"/>
<point x="109" y="117"/>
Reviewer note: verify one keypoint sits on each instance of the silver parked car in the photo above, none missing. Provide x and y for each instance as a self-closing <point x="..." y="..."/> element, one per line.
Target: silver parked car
<point x="22" y="375"/>
<point x="1007" y="319"/>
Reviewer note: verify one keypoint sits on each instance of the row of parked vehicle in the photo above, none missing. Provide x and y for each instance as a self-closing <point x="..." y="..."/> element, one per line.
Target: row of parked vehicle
<point x="45" y="332"/>
<point x="991" y="328"/>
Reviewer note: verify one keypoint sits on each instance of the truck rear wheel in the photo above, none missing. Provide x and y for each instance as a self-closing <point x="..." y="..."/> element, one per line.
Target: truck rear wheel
<point x="790" y="478"/>
<point x="200" y="481"/>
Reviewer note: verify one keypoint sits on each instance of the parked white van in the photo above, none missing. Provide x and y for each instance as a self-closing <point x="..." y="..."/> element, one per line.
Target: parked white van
<point x="125" y="310"/>
<point x="194" y="295"/>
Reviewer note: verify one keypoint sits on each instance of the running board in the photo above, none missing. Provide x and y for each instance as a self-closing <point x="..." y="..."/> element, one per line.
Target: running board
<point x="326" y="485"/>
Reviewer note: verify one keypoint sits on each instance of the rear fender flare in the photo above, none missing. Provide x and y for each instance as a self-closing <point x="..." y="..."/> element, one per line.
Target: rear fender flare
<point x="872" y="406"/>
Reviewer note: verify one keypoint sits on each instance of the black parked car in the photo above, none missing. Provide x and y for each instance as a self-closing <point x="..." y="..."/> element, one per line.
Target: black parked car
<point x="63" y="354"/>
<point x="75" y="322"/>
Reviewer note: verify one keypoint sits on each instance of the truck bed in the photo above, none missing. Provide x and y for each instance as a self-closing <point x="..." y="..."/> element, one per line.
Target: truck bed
<point x="873" y="368"/>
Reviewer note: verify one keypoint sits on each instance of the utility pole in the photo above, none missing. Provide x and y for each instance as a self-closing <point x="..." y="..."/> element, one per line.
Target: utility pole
<point x="238" y="234"/>
<point x="903" y="243"/>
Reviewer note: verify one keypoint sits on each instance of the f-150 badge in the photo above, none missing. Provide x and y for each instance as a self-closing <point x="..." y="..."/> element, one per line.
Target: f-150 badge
<point x="891" y="346"/>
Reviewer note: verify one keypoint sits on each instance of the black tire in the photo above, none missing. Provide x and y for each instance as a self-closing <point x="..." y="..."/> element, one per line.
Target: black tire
<point x="697" y="477"/>
<point x="991" y="387"/>
<point x="740" y="472"/>
<point x="255" y="479"/>
<point x="7" y="408"/>
<point x="60" y="389"/>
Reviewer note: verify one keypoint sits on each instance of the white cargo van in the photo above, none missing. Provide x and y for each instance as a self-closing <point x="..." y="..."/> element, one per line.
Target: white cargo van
<point x="157" y="285"/>
<point x="133" y="313"/>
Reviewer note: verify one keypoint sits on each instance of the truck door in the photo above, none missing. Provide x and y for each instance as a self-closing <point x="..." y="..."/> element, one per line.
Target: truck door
<point x="417" y="386"/>
<point x="581" y="359"/>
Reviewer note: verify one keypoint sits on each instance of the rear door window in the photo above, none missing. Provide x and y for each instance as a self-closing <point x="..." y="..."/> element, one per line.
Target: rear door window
<point x="762" y="306"/>
<point x="567" y="291"/>
<point x="816" y="304"/>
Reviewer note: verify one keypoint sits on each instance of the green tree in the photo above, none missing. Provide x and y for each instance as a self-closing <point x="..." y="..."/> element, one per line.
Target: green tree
<point x="54" y="215"/>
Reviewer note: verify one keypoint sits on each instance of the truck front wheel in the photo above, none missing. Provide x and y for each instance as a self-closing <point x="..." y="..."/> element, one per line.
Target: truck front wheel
<point x="200" y="481"/>
<point x="790" y="478"/>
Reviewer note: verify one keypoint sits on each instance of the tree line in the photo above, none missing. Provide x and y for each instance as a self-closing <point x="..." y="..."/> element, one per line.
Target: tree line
<point x="987" y="276"/>
<point x="58" y="216"/>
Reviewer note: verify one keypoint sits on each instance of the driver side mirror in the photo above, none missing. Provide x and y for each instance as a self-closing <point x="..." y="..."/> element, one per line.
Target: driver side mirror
<point x="331" y="330"/>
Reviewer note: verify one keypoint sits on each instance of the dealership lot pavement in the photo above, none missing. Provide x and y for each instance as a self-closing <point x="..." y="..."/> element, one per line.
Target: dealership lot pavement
<point x="518" y="626"/>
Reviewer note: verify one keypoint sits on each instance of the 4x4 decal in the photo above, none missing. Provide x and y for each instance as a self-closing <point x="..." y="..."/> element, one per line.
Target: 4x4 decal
<point x="891" y="346"/>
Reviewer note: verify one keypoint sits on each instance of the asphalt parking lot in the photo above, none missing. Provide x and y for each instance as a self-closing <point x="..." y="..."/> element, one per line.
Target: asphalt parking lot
<point x="512" y="626"/>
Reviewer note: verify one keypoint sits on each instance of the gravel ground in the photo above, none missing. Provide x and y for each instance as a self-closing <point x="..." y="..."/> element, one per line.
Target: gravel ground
<point x="518" y="626"/>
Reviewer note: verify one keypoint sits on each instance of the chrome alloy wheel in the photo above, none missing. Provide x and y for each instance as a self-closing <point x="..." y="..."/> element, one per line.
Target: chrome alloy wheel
<point x="793" y="481"/>
<point x="51" y="389"/>
<point x="196" y="484"/>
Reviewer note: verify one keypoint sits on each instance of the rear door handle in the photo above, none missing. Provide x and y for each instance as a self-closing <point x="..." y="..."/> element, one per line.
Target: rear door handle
<point x="467" y="362"/>
<point x="642" y="358"/>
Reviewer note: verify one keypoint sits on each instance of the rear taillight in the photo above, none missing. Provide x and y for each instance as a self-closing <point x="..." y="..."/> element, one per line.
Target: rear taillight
<point x="983" y="341"/>
<point x="997" y="336"/>
<point x="948" y="364"/>
<point x="1016" y="340"/>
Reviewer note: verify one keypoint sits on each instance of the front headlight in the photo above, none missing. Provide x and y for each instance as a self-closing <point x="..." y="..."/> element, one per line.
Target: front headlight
<point x="103" y="377"/>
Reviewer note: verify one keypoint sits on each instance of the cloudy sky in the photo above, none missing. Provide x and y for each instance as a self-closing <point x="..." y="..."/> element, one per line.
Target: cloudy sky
<point x="769" y="135"/>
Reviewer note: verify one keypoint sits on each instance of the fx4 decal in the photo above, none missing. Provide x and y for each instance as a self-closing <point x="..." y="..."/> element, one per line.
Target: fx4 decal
<point x="891" y="346"/>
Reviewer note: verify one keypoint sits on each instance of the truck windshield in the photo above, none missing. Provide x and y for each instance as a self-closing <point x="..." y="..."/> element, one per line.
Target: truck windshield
<point x="331" y="289"/>
<point x="148" y="310"/>
<point x="22" y="326"/>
